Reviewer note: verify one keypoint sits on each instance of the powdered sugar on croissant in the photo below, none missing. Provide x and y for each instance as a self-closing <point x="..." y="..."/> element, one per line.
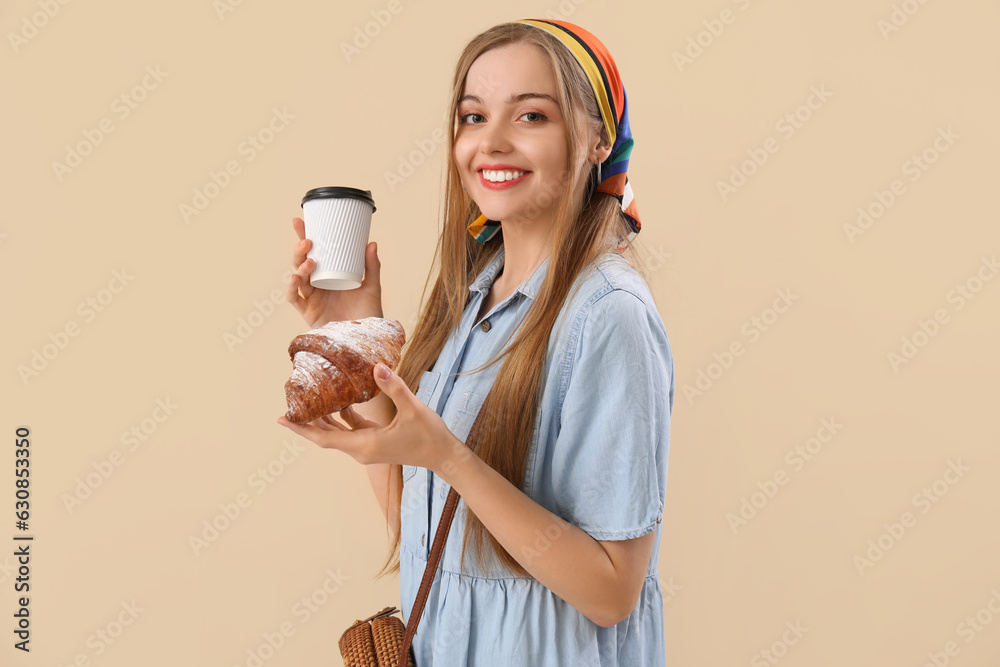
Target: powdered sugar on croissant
<point x="333" y="365"/>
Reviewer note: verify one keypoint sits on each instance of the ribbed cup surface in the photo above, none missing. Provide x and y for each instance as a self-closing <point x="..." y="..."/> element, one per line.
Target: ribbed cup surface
<point x="339" y="231"/>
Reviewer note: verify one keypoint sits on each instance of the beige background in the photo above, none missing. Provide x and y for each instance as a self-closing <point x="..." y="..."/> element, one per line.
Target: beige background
<point x="717" y="264"/>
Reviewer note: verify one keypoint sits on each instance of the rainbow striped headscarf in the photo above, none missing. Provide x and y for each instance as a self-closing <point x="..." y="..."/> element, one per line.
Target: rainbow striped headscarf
<point x="602" y="72"/>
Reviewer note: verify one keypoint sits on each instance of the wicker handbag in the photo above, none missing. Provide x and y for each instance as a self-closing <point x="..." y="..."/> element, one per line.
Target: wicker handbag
<point x="381" y="640"/>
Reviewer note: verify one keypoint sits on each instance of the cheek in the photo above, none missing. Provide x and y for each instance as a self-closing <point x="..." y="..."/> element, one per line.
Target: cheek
<point x="463" y="151"/>
<point x="553" y="152"/>
<point x="462" y="157"/>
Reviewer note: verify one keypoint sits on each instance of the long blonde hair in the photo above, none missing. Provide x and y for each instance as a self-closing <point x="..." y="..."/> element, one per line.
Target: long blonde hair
<point x="583" y="232"/>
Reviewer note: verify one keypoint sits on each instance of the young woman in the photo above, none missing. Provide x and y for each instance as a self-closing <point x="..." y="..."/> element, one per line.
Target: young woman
<point x="540" y="329"/>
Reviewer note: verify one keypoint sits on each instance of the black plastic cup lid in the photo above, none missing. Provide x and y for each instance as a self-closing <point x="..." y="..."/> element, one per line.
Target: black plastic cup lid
<point x="340" y="193"/>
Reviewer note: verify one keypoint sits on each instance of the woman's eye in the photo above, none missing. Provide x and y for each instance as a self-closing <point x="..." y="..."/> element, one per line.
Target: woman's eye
<point x="533" y="117"/>
<point x="472" y="118"/>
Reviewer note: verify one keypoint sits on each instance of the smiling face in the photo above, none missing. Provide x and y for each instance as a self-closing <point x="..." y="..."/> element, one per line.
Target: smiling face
<point x="510" y="147"/>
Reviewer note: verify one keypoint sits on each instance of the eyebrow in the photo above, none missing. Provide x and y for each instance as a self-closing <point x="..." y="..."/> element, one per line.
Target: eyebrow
<point x="513" y="99"/>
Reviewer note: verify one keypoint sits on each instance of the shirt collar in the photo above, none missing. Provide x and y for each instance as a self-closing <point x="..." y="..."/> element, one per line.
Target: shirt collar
<point x="528" y="288"/>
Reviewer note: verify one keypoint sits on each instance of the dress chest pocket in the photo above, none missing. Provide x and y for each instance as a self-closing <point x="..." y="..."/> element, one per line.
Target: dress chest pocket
<point x="464" y="413"/>
<point x="425" y="390"/>
<point x="460" y="414"/>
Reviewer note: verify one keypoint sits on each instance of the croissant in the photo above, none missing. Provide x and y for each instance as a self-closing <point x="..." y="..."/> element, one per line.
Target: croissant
<point x="333" y="365"/>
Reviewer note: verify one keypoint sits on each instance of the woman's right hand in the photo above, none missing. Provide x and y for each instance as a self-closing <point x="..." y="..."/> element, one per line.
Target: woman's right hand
<point x="319" y="306"/>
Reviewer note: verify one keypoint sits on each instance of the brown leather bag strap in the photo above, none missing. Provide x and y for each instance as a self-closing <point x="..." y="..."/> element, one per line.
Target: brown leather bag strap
<point x="444" y="526"/>
<point x="440" y="536"/>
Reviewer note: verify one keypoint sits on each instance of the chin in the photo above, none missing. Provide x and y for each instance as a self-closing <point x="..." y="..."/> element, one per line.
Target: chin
<point x="501" y="210"/>
<point x="494" y="212"/>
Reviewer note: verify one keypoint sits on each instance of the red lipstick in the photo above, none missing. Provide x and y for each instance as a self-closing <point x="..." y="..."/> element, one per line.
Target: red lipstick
<point x="500" y="185"/>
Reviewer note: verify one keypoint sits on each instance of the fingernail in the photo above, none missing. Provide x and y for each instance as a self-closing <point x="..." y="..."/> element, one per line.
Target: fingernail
<point x="383" y="371"/>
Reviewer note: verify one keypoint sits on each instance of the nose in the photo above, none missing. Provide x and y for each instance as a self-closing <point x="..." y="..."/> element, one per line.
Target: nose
<point x="494" y="138"/>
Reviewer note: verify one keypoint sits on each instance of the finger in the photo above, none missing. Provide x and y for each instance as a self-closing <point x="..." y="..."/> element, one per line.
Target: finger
<point x="321" y="437"/>
<point x="353" y="419"/>
<point x="302" y="278"/>
<point x="300" y="262"/>
<point x="393" y="386"/>
<point x="299" y="252"/>
<point x="298" y="290"/>
<point x="350" y="416"/>
<point x="328" y="420"/>
<point x="292" y="293"/>
<point x="356" y="445"/>
<point x="331" y="425"/>
<point x="373" y="266"/>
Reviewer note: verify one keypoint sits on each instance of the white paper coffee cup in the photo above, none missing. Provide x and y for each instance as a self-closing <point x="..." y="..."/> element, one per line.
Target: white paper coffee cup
<point x="338" y="221"/>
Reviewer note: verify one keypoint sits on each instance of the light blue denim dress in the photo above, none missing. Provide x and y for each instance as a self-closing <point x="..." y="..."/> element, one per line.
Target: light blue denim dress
<point x="598" y="460"/>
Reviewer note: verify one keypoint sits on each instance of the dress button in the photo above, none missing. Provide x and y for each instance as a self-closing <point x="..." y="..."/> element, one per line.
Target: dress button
<point x="485" y="326"/>
<point x="422" y="540"/>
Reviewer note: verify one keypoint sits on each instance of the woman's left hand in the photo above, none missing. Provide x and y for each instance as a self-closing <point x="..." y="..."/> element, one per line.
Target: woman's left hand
<point x="417" y="435"/>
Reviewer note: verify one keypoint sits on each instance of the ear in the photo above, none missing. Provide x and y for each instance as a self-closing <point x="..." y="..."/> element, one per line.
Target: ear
<point x="599" y="153"/>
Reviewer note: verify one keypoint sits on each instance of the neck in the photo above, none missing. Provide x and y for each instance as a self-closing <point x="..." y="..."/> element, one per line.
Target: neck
<point x="525" y="248"/>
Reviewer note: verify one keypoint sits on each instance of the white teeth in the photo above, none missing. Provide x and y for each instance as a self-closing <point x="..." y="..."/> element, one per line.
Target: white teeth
<point x="498" y="176"/>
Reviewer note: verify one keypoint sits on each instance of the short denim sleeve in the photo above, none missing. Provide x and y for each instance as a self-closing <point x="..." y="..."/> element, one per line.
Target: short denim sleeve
<point x="610" y="457"/>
